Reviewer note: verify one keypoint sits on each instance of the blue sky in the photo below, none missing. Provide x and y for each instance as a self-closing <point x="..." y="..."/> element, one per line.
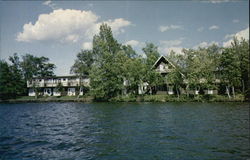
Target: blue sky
<point x="60" y="29"/>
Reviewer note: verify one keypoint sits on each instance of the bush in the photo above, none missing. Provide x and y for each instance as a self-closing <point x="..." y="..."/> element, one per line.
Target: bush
<point x="155" y="98"/>
<point x="128" y="98"/>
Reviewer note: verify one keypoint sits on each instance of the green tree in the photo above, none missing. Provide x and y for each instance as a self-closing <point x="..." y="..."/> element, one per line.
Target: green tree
<point x="153" y="79"/>
<point x="106" y="73"/>
<point x="241" y="50"/>
<point x="60" y="88"/>
<point x="200" y="67"/>
<point x="33" y="66"/>
<point x="14" y="75"/>
<point x="6" y="89"/>
<point x="232" y="62"/>
<point x="151" y="76"/>
<point x="134" y="73"/>
<point x="129" y="51"/>
<point x="19" y="84"/>
<point x="175" y="76"/>
<point x="83" y="63"/>
<point x="152" y="54"/>
<point x="105" y="42"/>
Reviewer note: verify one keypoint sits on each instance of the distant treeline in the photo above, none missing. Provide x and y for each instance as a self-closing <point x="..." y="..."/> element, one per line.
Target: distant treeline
<point x="110" y="63"/>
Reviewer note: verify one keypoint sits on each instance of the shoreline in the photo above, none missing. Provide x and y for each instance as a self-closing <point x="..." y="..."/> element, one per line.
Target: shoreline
<point x="145" y="98"/>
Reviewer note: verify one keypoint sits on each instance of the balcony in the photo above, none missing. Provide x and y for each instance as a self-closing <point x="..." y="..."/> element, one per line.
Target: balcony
<point x="55" y="84"/>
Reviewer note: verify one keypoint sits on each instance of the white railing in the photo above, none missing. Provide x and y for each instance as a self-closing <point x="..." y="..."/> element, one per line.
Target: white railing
<point x="55" y="84"/>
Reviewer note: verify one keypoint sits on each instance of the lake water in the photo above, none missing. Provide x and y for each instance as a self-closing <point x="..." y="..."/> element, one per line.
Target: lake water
<point x="124" y="131"/>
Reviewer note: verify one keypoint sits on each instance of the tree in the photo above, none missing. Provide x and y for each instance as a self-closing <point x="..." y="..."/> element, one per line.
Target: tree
<point x="105" y="42"/>
<point x="14" y="75"/>
<point x="11" y="81"/>
<point x="200" y="67"/>
<point x="134" y="73"/>
<point x="83" y="63"/>
<point x="241" y="48"/>
<point x="234" y="62"/>
<point x="6" y="90"/>
<point x="106" y="73"/>
<point x="60" y="88"/>
<point x="129" y="51"/>
<point x="33" y="66"/>
<point x="19" y="84"/>
<point x="176" y="77"/>
<point x="151" y="53"/>
<point x="153" y="79"/>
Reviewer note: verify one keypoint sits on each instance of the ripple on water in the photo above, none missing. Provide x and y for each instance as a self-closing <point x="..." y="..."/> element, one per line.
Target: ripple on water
<point x="111" y="131"/>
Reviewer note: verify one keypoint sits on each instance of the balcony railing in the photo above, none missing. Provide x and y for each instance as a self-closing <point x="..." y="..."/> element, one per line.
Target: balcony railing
<point x="55" y="84"/>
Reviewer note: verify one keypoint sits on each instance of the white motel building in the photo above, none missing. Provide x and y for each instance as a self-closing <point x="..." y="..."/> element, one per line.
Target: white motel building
<point x="49" y="86"/>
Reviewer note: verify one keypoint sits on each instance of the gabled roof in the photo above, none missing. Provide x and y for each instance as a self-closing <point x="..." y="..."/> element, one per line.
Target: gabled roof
<point x="160" y="59"/>
<point x="163" y="58"/>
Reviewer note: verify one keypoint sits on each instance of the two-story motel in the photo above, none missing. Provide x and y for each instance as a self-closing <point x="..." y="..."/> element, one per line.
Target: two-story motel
<point x="49" y="86"/>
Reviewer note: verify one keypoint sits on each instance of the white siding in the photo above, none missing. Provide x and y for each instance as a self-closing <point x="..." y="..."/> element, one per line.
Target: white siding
<point x="210" y="91"/>
<point x="170" y="90"/>
<point x="56" y="92"/>
<point x="196" y="92"/>
<point x="32" y="92"/>
<point x="81" y="91"/>
<point x="71" y="91"/>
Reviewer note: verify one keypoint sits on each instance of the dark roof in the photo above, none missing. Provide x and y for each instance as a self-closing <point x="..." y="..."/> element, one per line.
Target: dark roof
<point x="162" y="59"/>
<point x="68" y="76"/>
<point x="166" y="60"/>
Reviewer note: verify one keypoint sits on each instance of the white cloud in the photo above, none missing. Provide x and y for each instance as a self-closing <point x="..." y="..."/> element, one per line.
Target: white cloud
<point x="177" y="50"/>
<point x="170" y="27"/>
<point x="200" y="29"/>
<point x="216" y="1"/>
<point x="67" y="25"/>
<point x="50" y="4"/>
<point x="118" y="24"/>
<point x="205" y="44"/>
<point x="90" y="4"/>
<point x="133" y="43"/>
<point x="136" y="45"/>
<point x="171" y="42"/>
<point x="166" y="47"/>
<point x="236" y="21"/>
<point x="241" y="34"/>
<point x="87" y="45"/>
<point x="214" y="27"/>
<point x="229" y="36"/>
<point x="47" y="2"/>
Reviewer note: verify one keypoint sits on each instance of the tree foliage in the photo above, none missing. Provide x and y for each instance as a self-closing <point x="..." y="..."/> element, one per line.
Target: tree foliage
<point x="13" y="76"/>
<point x="33" y="66"/>
<point x="83" y="63"/>
<point x="234" y="66"/>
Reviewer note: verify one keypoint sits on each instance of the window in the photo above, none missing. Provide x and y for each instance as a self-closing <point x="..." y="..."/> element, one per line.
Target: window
<point x="210" y="91"/>
<point x="161" y="67"/>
